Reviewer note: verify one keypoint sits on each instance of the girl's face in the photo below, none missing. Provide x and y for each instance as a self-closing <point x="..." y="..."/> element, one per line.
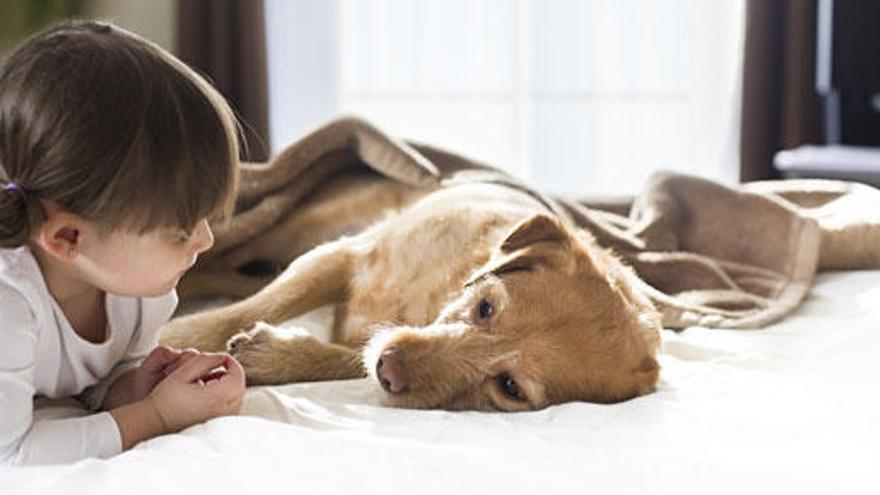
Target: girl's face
<point x="139" y="265"/>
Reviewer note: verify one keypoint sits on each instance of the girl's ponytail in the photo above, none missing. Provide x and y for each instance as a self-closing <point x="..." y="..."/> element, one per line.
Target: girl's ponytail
<point x="19" y="213"/>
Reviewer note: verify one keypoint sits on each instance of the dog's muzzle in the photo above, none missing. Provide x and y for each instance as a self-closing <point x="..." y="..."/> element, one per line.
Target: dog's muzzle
<point x="391" y="371"/>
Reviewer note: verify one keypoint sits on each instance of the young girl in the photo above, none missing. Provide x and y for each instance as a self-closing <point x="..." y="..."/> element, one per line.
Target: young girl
<point x="113" y="155"/>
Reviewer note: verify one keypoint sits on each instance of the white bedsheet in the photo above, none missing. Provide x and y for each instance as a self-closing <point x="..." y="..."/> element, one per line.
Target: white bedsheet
<point x="794" y="408"/>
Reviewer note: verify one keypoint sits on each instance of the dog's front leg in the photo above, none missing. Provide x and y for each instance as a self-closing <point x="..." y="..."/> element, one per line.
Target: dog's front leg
<point x="319" y="277"/>
<point x="270" y="358"/>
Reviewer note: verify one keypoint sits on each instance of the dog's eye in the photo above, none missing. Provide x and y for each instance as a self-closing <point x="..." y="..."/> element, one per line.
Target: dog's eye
<point x="485" y="310"/>
<point x="509" y="387"/>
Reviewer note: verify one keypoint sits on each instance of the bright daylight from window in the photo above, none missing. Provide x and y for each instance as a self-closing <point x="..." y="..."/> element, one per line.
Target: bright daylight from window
<point x="574" y="96"/>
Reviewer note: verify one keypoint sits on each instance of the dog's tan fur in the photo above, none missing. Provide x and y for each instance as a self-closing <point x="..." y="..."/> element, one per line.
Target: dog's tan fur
<point x="566" y="322"/>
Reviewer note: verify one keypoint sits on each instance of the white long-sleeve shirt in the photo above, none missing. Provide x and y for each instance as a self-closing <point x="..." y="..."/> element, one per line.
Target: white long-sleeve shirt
<point x="42" y="356"/>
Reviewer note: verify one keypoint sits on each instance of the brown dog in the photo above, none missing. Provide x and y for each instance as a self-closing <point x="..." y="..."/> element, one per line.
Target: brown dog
<point x="471" y="297"/>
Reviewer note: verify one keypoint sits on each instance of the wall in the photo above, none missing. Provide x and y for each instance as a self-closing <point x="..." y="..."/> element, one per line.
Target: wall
<point x="152" y="19"/>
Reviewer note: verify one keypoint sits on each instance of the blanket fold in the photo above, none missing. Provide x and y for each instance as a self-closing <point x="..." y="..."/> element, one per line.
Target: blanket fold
<point x="706" y="254"/>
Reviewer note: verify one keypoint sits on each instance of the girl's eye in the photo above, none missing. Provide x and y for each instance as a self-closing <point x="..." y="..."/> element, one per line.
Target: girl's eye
<point x="485" y="309"/>
<point x="509" y="387"/>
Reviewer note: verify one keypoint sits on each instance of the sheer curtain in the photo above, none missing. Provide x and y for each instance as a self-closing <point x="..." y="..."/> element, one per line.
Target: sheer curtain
<point x="575" y="96"/>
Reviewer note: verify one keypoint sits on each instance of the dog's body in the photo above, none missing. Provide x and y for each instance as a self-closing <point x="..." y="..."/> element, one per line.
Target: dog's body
<point x="470" y="297"/>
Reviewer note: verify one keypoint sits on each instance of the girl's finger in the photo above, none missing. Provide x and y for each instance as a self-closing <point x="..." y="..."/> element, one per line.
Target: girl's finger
<point x="159" y="358"/>
<point x="214" y="374"/>
<point x="183" y="356"/>
<point x="197" y="367"/>
<point x="233" y="374"/>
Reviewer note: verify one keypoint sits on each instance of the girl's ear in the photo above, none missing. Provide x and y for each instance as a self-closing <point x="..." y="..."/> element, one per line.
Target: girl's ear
<point x="59" y="235"/>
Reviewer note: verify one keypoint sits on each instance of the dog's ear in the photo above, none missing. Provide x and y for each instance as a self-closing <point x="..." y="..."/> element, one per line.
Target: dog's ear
<point x="515" y="263"/>
<point x="539" y="228"/>
<point x="546" y="240"/>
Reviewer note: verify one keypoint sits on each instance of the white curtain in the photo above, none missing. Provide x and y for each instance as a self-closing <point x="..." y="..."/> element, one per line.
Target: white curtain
<point x="575" y="96"/>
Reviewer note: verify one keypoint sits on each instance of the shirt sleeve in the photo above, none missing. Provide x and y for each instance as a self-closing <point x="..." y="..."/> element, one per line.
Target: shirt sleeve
<point x="154" y="312"/>
<point x="50" y="441"/>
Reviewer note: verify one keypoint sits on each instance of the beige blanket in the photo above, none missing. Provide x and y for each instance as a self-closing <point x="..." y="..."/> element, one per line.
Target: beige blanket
<point x="708" y="255"/>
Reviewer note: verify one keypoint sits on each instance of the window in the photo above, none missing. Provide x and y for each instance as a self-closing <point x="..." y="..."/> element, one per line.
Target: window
<point x="574" y="96"/>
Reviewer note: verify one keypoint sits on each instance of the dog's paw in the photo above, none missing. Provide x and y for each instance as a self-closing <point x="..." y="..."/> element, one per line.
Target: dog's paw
<point x="262" y="333"/>
<point x="265" y="355"/>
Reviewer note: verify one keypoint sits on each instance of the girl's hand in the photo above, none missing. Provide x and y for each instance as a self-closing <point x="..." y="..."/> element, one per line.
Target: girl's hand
<point x="158" y="364"/>
<point x="201" y="386"/>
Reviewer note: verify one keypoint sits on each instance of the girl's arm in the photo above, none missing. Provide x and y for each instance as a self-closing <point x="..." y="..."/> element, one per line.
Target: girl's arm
<point x="121" y="392"/>
<point x="137" y="422"/>
<point x="22" y="440"/>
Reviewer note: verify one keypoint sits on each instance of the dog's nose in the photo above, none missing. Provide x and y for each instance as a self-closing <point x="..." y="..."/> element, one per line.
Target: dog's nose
<point x="392" y="372"/>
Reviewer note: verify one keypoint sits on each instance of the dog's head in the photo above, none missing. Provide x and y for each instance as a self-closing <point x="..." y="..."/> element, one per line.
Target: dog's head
<point x="550" y="318"/>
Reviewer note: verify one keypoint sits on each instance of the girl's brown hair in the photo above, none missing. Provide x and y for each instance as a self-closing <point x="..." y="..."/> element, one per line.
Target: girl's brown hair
<point x="111" y="127"/>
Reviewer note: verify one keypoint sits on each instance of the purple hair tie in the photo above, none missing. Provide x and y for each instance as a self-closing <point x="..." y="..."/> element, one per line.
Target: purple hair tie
<point x="13" y="188"/>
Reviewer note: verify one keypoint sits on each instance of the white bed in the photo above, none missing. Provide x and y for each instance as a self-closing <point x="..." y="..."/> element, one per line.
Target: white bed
<point x="793" y="408"/>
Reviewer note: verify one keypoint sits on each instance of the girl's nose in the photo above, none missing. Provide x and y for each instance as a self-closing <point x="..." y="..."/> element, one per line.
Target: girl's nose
<point x="204" y="238"/>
